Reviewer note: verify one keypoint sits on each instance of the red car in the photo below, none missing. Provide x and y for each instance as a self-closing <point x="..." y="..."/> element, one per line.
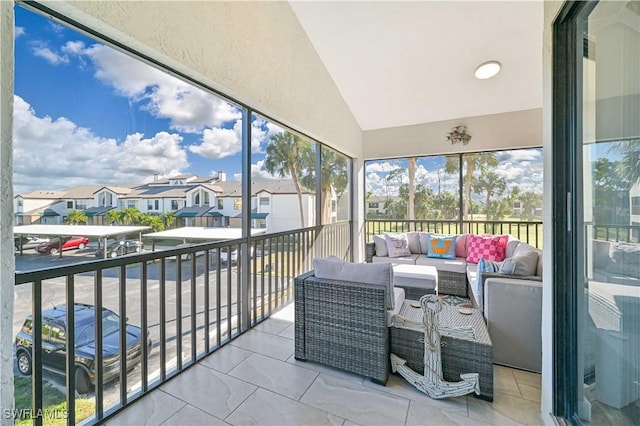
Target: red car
<point x="68" y="243"/>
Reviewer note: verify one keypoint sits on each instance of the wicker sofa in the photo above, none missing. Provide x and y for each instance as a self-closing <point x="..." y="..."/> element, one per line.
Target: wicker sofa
<point x="345" y="323"/>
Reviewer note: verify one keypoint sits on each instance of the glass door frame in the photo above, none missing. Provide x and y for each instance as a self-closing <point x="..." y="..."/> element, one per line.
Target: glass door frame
<point x="567" y="206"/>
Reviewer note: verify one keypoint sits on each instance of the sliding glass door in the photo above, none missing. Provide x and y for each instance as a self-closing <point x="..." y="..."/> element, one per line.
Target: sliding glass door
<point x="597" y="135"/>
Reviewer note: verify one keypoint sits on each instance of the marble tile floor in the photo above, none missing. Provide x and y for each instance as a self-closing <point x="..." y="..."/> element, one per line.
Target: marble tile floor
<point x="255" y="380"/>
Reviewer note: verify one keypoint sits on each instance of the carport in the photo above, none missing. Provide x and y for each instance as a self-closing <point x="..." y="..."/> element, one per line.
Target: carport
<point x="59" y="231"/>
<point x="195" y="233"/>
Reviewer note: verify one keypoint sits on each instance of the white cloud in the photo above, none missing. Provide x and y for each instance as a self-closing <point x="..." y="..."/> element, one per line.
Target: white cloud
<point x="257" y="172"/>
<point x="43" y="51"/>
<point x="188" y="108"/>
<point x="18" y="31"/>
<point x="384" y="166"/>
<point x="219" y="142"/>
<point x="56" y="153"/>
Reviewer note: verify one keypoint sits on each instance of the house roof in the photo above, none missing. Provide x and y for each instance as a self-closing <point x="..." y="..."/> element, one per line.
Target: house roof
<point x="192" y="211"/>
<point x="273" y="186"/>
<point x="43" y="195"/>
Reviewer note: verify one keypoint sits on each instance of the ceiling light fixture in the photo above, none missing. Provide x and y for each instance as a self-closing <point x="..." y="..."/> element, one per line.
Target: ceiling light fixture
<point x="487" y="70"/>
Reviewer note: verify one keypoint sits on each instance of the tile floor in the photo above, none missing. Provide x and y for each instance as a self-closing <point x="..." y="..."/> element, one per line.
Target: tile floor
<point x="255" y="380"/>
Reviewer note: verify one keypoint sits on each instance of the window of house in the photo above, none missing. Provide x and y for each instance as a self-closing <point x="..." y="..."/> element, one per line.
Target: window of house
<point x="132" y="204"/>
<point x="149" y="204"/>
<point x="156" y="204"/>
<point x="69" y="204"/>
<point x="20" y="202"/>
<point x="196" y="199"/>
<point x="207" y="200"/>
<point x="81" y="205"/>
<point x="264" y="201"/>
<point x="237" y="203"/>
<point x="220" y="203"/>
<point x="174" y="205"/>
<point x="374" y="205"/>
<point x="635" y="205"/>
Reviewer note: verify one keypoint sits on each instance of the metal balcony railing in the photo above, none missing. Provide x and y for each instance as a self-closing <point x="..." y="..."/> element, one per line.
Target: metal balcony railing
<point x="187" y="303"/>
<point x="529" y="232"/>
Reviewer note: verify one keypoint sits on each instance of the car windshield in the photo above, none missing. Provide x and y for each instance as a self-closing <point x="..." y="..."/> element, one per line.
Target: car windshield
<point x="85" y="333"/>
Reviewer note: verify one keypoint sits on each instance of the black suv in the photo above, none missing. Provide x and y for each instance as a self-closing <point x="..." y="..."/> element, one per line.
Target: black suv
<point x="54" y="346"/>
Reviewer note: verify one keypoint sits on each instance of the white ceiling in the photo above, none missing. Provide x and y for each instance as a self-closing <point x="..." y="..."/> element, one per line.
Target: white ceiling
<point x="400" y="63"/>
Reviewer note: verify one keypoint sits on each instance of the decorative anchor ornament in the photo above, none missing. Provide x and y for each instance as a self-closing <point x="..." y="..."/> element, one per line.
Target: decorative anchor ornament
<point x="432" y="382"/>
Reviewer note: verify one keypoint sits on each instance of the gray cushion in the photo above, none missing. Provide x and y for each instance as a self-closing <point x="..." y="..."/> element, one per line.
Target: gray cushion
<point x="522" y="264"/>
<point x="523" y="248"/>
<point x="366" y="273"/>
<point x="414" y="242"/>
<point x="381" y="245"/>
<point x="397" y="244"/>
<point x="423" y="238"/>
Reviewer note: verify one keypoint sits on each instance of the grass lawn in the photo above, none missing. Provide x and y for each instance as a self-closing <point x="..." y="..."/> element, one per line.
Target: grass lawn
<point x="53" y="402"/>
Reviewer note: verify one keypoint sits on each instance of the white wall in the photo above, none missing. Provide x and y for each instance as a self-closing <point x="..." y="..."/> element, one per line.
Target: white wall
<point x="520" y="129"/>
<point x="7" y="264"/>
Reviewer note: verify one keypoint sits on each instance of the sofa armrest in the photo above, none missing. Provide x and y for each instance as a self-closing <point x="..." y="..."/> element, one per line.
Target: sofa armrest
<point x="369" y="251"/>
<point x="513" y="310"/>
<point x="342" y="324"/>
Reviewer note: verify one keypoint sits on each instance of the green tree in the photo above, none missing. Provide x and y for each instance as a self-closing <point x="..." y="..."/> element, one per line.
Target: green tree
<point x="628" y="167"/>
<point x="113" y="216"/>
<point x="481" y="161"/>
<point x="155" y="222"/>
<point x="491" y="184"/>
<point x="411" y="202"/>
<point x="334" y="177"/>
<point x="130" y="216"/>
<point x="499" y="209"/>
<point x="168" y="218"/>
<point x="611" y="186"/>
<point x="76" y="217"/>
<point x="447" y="204"/>
<point x="530" y="202"/>
<point x="283" y="157"/>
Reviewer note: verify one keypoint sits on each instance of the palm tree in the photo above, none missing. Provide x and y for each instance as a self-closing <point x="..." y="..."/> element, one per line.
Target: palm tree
<point x="113" y="216"/>
<point x="151" y="220"/>
<point x="168" y="218"/>
<point x="76" y="217"/>
<point x="411" y="213"/>
<point x="628" y="167"/>
<point x="481" y="161"/>
<point x="283" y="157"/>
<point x="130" y="216"/>
<point x="491" y="184"/>
<point x="334" y="177"/>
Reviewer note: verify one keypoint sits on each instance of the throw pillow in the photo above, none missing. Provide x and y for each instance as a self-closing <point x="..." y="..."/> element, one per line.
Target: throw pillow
<point x="485" y="265"/>
<point x="414" y="242"/>
<point x="442" y="247"/>
<point x="490" y="247"/>
<point x="381" y="245"/>
<point x="367" y="273"/>
<point x="397" y="244"/>
<point x="461" y="245"/>
<point x="523" y="264"/>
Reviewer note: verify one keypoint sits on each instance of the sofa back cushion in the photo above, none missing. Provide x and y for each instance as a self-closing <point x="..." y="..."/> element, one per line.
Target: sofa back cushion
<point x="365" y="273"/>
<point x="525" y="263"/>
<point x="397" y="244"/>
<point x="413" y="238"/>
<point x="489" y="247"/>
<point x="461" y="245"/>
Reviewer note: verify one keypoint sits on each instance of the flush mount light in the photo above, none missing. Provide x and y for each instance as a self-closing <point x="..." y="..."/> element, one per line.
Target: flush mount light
<point x="487" y="70"/>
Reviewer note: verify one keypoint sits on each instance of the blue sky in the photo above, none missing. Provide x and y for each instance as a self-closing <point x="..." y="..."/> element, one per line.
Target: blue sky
<point x="85" y="113"/>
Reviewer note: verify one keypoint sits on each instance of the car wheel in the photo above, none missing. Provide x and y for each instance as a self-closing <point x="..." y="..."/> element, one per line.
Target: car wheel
<point x="24" y="363"/>
<point x="53" y="251"/>
<point x="113" y="254"/>
<point x="83" y="384"/>
<point x="81" y="246"/>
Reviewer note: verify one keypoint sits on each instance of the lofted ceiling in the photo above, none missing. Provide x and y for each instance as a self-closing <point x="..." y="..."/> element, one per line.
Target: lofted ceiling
<point x="407" y="62"/>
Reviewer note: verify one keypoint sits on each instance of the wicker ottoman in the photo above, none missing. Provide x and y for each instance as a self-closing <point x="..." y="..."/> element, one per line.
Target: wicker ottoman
<point x="459" y="355"/>
<point x="416" y="280"/>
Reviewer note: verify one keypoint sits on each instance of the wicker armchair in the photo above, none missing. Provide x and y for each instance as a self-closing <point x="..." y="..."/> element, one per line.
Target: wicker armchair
<point x="342" y="324"/>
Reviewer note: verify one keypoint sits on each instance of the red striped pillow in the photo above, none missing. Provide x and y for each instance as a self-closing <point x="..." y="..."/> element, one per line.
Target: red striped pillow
<point x="490" y="247"/>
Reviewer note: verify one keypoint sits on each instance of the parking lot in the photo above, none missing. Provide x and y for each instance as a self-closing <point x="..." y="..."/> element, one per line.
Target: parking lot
<point x="53" y="293"/>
